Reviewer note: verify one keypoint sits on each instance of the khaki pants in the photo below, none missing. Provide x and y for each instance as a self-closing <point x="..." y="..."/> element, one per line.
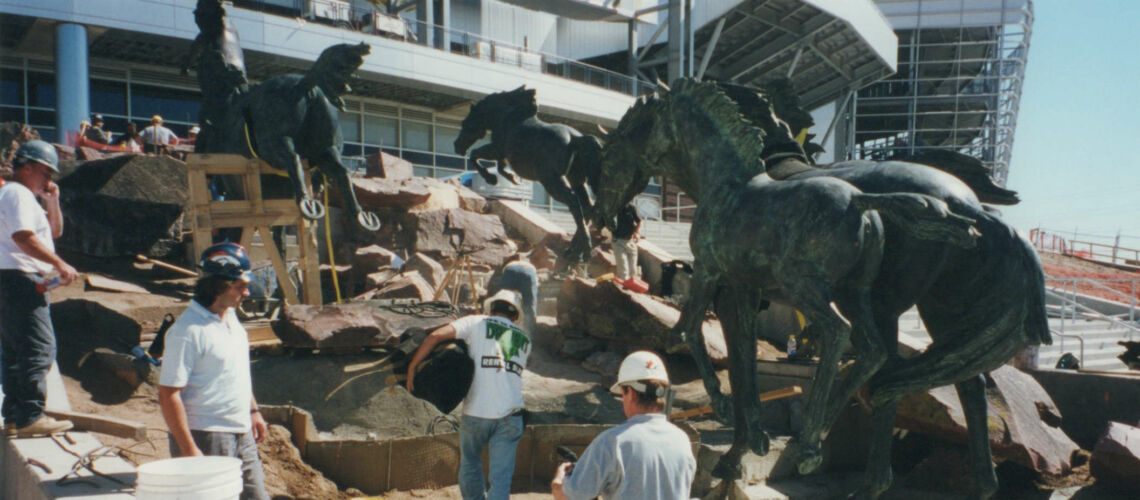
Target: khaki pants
<point x="625" y="253"/>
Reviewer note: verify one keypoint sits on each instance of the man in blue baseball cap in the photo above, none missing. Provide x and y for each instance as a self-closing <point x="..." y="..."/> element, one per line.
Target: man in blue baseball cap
<point x="205" y="389"/>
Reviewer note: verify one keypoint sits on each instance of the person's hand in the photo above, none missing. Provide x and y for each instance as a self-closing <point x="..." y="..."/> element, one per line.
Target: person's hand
<point x="260" y="429"/>
<point x="67" y="274"/>
<point x="560" y="473"/>
<point x="51" y="192"/>
<point x="411" y="386"/>
<point x="193" y="452"/>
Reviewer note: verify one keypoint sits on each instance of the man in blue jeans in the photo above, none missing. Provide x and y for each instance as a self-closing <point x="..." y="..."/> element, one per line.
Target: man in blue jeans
<point x="492" y="410"/>
<point x="27" y="254"/>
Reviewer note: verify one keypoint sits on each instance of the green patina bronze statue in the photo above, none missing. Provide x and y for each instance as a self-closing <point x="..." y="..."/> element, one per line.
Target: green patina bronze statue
<point x="283" y="120"/>
<point x="851" y="261"/>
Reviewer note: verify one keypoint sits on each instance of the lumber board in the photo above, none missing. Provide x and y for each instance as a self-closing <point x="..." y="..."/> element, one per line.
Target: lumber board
<point x="102" y="424"/>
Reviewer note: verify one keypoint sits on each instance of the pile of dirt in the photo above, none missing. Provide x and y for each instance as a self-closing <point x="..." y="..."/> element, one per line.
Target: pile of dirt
<point x="286" y="475"/>
<point x="365" y="404"/>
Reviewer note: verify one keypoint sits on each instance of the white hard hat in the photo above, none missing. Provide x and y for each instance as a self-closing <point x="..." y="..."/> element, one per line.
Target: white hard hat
<point x="638" y="366"/>
<point x="509" y="296"/>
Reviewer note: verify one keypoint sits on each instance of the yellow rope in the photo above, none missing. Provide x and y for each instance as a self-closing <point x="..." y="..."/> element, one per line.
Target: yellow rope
<point x="328" y="228"/>
<point x="328" y="239"/>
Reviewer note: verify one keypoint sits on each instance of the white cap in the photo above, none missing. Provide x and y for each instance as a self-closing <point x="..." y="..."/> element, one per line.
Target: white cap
<point x="509" y="296"/>
<point x="195" y="129"/>
<point x="638" y="366"/>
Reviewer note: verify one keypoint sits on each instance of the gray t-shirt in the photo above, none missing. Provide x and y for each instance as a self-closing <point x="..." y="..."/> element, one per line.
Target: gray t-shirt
<point x="646" y="457"/>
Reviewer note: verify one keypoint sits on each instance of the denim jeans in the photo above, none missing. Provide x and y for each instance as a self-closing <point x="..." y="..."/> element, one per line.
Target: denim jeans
<point x="27" y="348"/>
<point x="501" y="437"/>
<point x="228" y="444"/>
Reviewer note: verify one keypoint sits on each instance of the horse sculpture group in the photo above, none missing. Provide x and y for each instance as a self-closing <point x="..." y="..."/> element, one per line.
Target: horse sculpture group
<point x="283" y="120"/>
<point x="852" y="246"/>
<point x="813" y="241"/>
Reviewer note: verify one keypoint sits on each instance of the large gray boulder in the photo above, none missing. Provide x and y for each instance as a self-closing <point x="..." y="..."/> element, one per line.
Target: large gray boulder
<point x="125" y="205"/>
<point x="639" y="321"/>
<point x="357" y="324"/>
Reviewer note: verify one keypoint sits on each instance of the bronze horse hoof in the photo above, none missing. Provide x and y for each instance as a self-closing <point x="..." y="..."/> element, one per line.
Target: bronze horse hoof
<point x="312" y="209"/>
<point x="368" y="221"/>
<point x="809" y="460"/>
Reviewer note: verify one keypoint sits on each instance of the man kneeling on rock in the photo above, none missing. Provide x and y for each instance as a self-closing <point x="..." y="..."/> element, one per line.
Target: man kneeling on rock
<point x="646" y="457"/>
<point x="493" y="408"/>
<point x="205" y="389"/>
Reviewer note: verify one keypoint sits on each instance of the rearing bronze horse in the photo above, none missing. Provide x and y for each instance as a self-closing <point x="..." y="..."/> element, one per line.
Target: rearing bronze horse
<point x="980" y="304"/>
<point x="559" y="157"/>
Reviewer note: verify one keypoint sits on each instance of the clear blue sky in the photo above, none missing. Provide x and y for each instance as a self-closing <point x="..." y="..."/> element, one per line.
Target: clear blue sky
<point x="1076" y="154"/>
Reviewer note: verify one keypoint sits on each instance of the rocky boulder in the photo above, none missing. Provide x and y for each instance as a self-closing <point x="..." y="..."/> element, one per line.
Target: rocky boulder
<point x="1116" y="457"/>
<point x="609" y="312"/>
<point x="125" y="205"/>
<point x="346" y="325"/>
<point x="443" y="234"/>
<point x="429" y="269"/>
<point x="547" y="252"/>
<point x="386" y="166"/>
<point x="407" y="285"/>
<point x="1024" y="423"/>
<point x="377" y="193"/>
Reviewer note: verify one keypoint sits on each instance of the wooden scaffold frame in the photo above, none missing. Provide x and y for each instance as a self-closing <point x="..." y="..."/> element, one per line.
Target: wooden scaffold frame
<point x="253" y="214"/>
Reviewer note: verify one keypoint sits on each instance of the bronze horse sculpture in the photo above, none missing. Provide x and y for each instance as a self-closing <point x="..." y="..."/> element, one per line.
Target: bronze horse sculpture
<point x="980" y="304"/>
<point x="559" y="157"/>
<point x="283" y="120"/>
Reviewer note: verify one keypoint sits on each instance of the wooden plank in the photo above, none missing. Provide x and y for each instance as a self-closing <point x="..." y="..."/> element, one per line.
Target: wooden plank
<point x="247" y="220"/>
<point x="94" y="281"/>
<point x="259" y="331"/>
<point x="102" y="424"/>
<point x="310" y="267"/>
<point x="781" y="393"/>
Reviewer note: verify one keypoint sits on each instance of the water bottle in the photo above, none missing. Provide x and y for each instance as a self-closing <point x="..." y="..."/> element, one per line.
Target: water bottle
<point x="46" y="284"/>
<point x="791" y="346"/>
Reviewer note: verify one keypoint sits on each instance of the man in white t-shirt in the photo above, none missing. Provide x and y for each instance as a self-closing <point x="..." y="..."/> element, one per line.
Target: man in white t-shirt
<point x="156" y="138"/>
<point x="492" y="410"/>
<point x="27" y="255"/>
<point x="205" y="389"/>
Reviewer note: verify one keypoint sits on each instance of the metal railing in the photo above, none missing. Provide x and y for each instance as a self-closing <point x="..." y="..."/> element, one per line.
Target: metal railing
<point x="1072" y="283"/>
<point x="1064" y="336"/>
<point x="1070" y="304"/>
<point x="463" y="43"/>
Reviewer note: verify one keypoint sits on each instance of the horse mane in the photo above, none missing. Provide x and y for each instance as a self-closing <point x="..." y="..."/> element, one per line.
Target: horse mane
<point x="743" y="136"/>
<point x="519" y="101"/>
<point x="644" y="110"/>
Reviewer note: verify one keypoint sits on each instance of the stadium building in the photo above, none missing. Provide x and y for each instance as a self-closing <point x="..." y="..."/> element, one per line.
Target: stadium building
<point x="61" y="60"/>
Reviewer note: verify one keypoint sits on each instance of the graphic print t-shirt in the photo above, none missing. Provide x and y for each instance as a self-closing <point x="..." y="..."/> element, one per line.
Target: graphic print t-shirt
<point x="500" y="350"/>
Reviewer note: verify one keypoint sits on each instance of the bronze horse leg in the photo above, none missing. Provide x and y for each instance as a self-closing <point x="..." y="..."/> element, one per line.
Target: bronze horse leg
<point x="331" y="166"/>
<point x="877" y="477"/>
<point x="972" y="395"/>
<point x="487" y="152"/>
<point x="282" y="155"/>
<point x="688" y="328"/>
<point x="737" y="307"/>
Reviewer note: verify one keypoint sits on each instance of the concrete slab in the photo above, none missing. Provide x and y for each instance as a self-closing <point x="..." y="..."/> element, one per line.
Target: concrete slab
<point x="21" y="480"/>
<point x="526" y="222"/>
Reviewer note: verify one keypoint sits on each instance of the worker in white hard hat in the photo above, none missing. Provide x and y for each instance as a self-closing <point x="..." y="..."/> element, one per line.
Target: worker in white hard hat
<point x="647" y="457"/>
<point x="493" y="408"/>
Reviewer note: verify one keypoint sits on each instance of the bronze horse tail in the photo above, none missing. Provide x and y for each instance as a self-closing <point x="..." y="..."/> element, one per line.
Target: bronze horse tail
<point x="923" y="217"/>
<point x="585" y="159"/>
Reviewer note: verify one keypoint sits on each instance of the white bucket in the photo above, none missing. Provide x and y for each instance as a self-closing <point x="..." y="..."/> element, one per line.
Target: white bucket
<point x="190" y="478"/>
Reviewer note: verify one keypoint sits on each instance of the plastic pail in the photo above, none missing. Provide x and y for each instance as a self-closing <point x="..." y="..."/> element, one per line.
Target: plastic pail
<point x="190" y="478"/>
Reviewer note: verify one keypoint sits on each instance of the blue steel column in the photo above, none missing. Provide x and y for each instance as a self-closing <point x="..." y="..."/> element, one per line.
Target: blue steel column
<point x="72" y="95"/>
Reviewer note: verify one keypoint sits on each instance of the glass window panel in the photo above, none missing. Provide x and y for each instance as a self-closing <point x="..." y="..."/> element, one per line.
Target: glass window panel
<point x="422" y="171"/>
<point x="12" y="87"/>
<point x="417" y="136"/>
<point x="351" y="150"/>
<point x="41" y="89"/>
<point x="419" y="158"/>
<point x="445" y="139"/>
<point x="350" y="126"/>
<point x="371" y="150"/>
<point x="455" y="162"/>
<point x="11" y="114"/>
<point x="109" y="98"/>
<point x="381" y="131"/>
<point x="38" y="117"/>
<point x="172" y="104"/>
